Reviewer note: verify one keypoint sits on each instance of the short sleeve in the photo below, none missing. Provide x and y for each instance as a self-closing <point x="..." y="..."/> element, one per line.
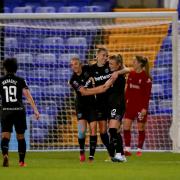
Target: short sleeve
<point x="24" y="84"/>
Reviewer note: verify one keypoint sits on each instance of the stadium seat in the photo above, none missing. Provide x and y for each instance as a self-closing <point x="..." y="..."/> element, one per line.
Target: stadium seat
<point x="47" y="9"/>
<point x="7" y="10"/>
<point x="161" y="74"/>
<point x="163" y="59"/>
<point x="69" y="9"/>
<point x="45" y="58"/>
<point x="25" y="9"/>
<point x="53" y="44"/>
<point x="92" y="9"/>
<point x="167" y="44"/>
<point x="76" y="45"/>
<point x="165" y="106"/>
<point x="36" y="91"/>
<point x="21" y="73"/>
<point x="152" y="107"/>
<point x="64" y="59"/>
<point x="157" y="91"/>
<point x="32" y="43"/>
<point x="10" y="43"/>
<point x="62" y="75"/>
<point x="24" y="58"/>
<point x="78" y="2"/>
<point x="167" y="86"/>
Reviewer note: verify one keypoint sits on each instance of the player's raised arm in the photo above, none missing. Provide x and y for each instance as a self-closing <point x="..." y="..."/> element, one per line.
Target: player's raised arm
<point x="30" y="99"/>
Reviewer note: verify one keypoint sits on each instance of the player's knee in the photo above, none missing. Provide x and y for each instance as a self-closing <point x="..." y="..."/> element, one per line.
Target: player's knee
<point x="81" y="132"/>
<point x="6" y="135"/>
<point x="93" y="131"/>
<point x="20" y="136"/>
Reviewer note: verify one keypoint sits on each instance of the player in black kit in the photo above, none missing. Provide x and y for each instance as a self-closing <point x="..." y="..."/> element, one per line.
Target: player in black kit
<point x="85" y="105"/>
<point x="13" y="111"/>
<point x="116" y="108"/>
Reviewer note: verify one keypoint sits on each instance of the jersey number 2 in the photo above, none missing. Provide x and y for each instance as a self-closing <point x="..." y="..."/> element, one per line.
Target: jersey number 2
<point x="10" y="92"/>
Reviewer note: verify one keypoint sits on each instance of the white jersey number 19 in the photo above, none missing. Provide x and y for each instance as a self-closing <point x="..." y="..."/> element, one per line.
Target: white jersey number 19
<point x="10" y="92"/>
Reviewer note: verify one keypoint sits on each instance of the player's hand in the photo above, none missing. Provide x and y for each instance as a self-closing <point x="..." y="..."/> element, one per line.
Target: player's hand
<point x="37" y="115"/>
<point x="114" y="75"/>
<point x="142" y="114"/>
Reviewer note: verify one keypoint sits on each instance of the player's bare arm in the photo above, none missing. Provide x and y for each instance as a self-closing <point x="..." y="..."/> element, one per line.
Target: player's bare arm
<point x="30" y="99"/>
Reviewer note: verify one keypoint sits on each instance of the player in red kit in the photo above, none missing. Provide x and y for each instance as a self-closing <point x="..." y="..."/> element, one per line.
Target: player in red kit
<point x="138" y="92"/>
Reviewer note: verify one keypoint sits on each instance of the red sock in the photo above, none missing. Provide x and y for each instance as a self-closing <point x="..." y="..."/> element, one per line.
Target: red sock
<point x="127" y="138"/>
<point x="141" y="139"/>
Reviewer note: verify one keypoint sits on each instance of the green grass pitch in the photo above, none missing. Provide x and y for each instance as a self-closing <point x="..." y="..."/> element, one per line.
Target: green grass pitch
<point x="66" y="165"/>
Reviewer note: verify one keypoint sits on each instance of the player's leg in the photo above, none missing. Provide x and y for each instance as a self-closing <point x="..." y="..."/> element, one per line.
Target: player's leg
<point x="127" y="135"/>
<point x="104" y="136"/>
<point x="5" y="147"/>
<point x="141" y="137"/>
<point x="6" y="129"/>
<point x="93" y="139"/>
<point x="82" y="127"/>
<point x="21" y="148"/>
<point x="20" y="127"/>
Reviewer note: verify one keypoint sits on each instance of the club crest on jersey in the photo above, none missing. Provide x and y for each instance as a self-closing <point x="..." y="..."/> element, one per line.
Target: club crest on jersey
<point x="96" y="72"/>
<point x="79" y="115"/>
<point x="113" y="112"/>
<point x="106" y="70"/>
<point x="140" y="80"/>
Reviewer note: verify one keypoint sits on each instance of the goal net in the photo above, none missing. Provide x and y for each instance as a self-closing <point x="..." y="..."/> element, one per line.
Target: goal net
<point x="44" y="44"/>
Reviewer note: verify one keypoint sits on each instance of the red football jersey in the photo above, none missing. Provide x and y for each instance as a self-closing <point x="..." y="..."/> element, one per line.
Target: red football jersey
<point x="138" y="90"/>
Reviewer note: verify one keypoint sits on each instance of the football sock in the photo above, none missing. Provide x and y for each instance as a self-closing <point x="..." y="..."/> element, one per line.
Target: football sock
<point x="93" y="143"/>
<point x="21" y="149"/>
<point x="4" y="146"/>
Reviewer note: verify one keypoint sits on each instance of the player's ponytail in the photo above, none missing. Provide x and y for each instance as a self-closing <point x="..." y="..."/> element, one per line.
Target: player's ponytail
<point x="118" y="58"/>
<point x="144" y="64"/>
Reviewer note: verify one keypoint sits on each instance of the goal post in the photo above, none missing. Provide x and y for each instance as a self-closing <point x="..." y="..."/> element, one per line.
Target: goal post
<point x="44" y="44"/>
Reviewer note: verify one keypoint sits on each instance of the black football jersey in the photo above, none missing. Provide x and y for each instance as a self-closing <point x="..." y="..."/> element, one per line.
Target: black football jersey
<point x="117" y="91"/>
<point x="100" y="76"/>
<point x="11" y="87"/>
<point x="82" y="80"/>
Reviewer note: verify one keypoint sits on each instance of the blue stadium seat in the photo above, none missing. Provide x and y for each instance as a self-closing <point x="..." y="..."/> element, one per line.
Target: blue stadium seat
<point x="45" y="9"/>
<point x="167" y="44"/>
<point x="54" y="3"/>
<point x="64" y="59"/>
<point x="152" y="107"/>
<point x="77" y="45"/>
<point x="36" y="91"/>
<point x="78" y="2"/>
<point x="157" y="91"/>
<point x="7" y="10"/>
<point x="25" y="9"/>
<point x="69" y="9"/>
<point x="167" y="86"/>
<point x="161" y="75"/>
<point x="32" y="43"/>
<point x="53" y="44"/>
<point x="165" y="106"/>
<point x="39" y="76"/>
<point x="47" y="107"/>
<point x="10" y="43"/>
<point x="21" y="73"/>
<point x="92" y="9"/>
<point x="24" y="58"/>
<point x="45" y="58"/>
<point x="33" y="5"/>
<point x="38" y="135"/>
<point x="62" y="75"/>
<point x="163" y="59"/>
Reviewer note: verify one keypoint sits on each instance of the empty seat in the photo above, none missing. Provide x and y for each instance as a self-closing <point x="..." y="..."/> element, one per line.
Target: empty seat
<point x="77" y="41"/>
<point x="25" y="9"/>
<point x="157" y="91"/>
<point x="167" y="44"/>
<point x="165" y="106"/>
<point x="53" y="45"/>
<point x="10" y="42"/>
<point x="152" y="107"/>
<point x="92" y="9"/>
<point x="21" y="73"/>
<point x="163" y="59"/>
<point x="7" y="10"/>
<point x="161" y="74"/>
<point x="44" y="58"/>
<point x="36" y="91"/>
<point x="66" y="58"/>
<point x="45" y="9"/>
<point x="24" y="58"/>
<point x="69" y="9"/>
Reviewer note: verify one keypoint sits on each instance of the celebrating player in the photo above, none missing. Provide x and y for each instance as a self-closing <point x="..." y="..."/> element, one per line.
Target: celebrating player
<point x="137" y="99"/>
<point x="85" y="105"/>
<point x="116" y="108"/>
<point x="13" y="111"/>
